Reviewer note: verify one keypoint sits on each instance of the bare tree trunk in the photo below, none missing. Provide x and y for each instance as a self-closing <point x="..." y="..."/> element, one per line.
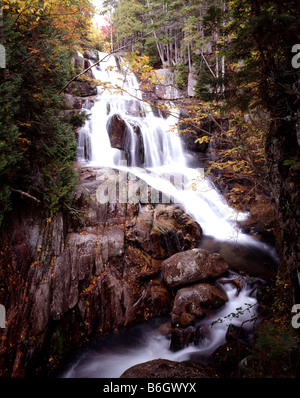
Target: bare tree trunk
<point x="3" y="66"/>
<point x="223" y="73"/>
<point x="207" y="64"/>
<point x="217" y="61"/>
<point x="111" y="28"/>
<point x="189" y="57"/>
<point x="223" y="57"/>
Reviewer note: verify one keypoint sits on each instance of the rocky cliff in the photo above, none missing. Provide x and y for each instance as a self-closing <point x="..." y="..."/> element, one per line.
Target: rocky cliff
<point x="71" y="279"/>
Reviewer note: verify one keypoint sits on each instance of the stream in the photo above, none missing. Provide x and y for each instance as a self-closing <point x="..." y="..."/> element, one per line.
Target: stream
<point x="164" y="166"/>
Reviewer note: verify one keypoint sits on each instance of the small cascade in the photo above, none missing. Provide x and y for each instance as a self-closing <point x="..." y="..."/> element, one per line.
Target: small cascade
<point x="112" y="355"/>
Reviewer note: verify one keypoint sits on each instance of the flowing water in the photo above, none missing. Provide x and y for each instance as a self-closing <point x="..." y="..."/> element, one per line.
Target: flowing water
<point x="111" y="356"/>
<point x="165" y="167"/>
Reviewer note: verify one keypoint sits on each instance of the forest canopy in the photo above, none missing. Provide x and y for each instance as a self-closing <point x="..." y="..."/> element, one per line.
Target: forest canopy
<point x="37" y="145"/>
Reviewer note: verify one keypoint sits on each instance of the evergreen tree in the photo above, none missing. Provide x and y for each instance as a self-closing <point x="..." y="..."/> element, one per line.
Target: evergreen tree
<point x="128" y="23"/>
<point x="11" y="141"/>
<point x="261" y="35"/>
<point x="37" y="145"/>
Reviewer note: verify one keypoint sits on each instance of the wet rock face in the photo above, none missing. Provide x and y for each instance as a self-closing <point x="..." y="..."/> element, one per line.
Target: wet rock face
<point x="117" y="132"/>
<point x="164" y="230"/>
<point x="193" y="302"/>
<point x="79" y="278"/>
<point x="196" y="265"/>
<point x="121" y="137"/>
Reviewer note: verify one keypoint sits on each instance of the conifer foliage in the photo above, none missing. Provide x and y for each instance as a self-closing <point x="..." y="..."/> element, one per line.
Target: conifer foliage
<point x="36" y="145"/>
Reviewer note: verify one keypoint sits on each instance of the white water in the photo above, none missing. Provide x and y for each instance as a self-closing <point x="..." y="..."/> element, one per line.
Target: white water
<point x="164" y="156"/>
<point x="111" y="361"/>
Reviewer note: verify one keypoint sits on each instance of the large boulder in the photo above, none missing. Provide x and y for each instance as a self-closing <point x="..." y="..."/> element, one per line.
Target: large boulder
<point x="163" y="368"/>
<point x="196" y="265"/>
<point x="91" y="54"/>
<point x="164" y="230"/>
<point x="70" y="102"/>
<point x="118" y="132"/>
<point x="124" y="136"/>
<point x="193" y="302"/>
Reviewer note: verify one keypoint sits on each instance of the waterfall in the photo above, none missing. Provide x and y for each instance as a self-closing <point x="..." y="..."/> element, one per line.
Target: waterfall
<point x="163" y="156"/>
<point x="160" y="148"/>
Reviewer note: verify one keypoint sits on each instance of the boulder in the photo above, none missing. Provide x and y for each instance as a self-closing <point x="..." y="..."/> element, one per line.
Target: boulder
<point x="182" y="337"/>
<point x="91" y="54"/>
<point x="70" y="102"/>
<point x="164" y="230"/>
<point x="193" y="302"/>
<point x="124" y="137"/>
<point x="117" y="131"/>
<point x="163" y="368"/>
<point x="196" y="265"/>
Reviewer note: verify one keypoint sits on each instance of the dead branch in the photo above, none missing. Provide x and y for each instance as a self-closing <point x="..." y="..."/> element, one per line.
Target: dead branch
<point x="25" y="194"/>
<point x="90" y="67"/>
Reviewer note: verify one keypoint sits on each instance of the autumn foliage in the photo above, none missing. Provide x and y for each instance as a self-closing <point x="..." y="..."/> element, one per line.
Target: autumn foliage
<point x="36" y="145"/>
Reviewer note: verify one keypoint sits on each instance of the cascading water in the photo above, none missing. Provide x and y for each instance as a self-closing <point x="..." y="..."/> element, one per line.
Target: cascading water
<point x="110" y="357"/>
<point x="160" y="149"/>
<point x="163" y="156"/>
<point x="163" y="151"/>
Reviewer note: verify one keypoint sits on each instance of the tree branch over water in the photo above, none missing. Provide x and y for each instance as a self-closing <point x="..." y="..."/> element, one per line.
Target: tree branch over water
<point x="95" y="64"/>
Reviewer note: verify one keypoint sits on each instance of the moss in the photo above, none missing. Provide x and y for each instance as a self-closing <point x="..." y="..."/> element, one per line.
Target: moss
<point x="58" y="342"/>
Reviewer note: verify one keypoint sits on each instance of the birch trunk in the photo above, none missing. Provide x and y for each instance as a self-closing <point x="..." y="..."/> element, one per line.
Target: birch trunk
<point x="3" y="67"/>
